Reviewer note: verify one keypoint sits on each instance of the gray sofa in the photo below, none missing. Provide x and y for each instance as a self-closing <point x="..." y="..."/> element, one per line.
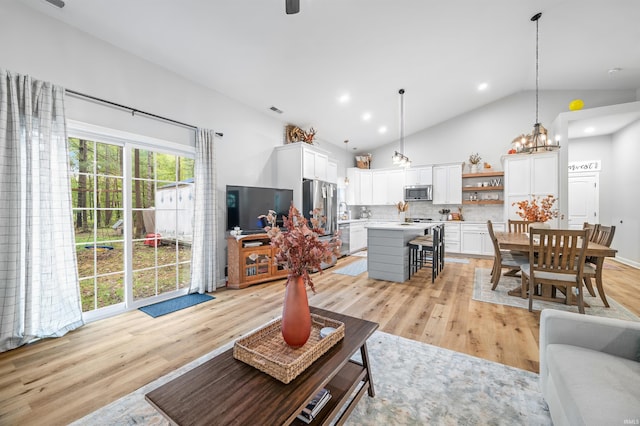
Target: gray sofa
<point x="589" y="369"/>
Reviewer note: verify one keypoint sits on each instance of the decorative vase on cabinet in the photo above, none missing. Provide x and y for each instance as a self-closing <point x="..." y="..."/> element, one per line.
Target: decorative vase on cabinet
<point x="296" y="316"/>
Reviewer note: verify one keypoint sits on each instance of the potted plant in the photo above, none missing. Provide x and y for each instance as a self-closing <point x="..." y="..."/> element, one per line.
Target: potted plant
<point x="300" y="251"/>
<point x="538" y="211"/>
<point x="474" y="160"/>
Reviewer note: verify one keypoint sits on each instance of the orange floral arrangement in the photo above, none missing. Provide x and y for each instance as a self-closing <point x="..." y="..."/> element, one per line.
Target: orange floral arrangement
<point x="538" y="210"/>
<point x="300" y="250"/>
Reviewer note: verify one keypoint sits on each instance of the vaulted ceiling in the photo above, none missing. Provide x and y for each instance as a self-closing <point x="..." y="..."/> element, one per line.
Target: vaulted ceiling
<point x="438" y="51"/>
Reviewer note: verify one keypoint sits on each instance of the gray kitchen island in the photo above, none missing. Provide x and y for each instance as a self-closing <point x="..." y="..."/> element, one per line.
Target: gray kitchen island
<point x="387" y="249"/>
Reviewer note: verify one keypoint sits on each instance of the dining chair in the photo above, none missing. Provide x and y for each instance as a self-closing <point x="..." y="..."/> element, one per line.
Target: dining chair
<point x="592" y="227"/>
<point x="603" y="235"/>
<point x="503" y="259"/>
<point x="556" y="259"/>
<point x="519" y="226"/>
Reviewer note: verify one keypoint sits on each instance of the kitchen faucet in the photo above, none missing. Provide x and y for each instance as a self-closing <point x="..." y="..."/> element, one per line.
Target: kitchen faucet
<point x="345" y="212"/>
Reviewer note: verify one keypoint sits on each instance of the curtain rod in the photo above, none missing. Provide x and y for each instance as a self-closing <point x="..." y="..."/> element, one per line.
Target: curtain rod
<point x="134" y="110"/>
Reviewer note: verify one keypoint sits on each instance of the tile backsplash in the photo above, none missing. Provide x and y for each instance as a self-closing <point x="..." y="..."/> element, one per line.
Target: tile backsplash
<point x="426" y="209"/>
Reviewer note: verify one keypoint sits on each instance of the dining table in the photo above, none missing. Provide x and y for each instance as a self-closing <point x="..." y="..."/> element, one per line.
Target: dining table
<point x="519" y="242"/>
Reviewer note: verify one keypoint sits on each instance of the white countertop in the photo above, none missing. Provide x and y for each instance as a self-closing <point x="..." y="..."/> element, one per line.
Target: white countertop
<point x="399" y="226"/>
<point x="382" y="221"/>
<point x="341" y="221"/>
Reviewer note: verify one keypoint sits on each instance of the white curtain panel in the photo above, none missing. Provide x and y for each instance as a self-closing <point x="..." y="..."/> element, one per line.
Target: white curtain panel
<point x="204" y="245"/>
<point x="39" y="292"/>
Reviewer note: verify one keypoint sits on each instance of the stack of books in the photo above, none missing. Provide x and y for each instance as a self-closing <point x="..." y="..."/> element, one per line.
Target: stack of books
<point x="313" y="408"/>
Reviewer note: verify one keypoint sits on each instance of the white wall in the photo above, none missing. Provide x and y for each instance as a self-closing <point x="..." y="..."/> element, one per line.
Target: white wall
<point x="598" y="148"/>
<point x="626" y="201"/>
<point x="490" y="129"/>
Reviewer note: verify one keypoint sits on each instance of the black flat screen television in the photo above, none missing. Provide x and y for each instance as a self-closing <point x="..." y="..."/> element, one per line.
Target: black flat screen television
<point x="246" y="203"/>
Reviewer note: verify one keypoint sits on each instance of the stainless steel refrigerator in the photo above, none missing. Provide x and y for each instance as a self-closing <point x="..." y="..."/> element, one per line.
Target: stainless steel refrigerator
<point x="317" y="194"/>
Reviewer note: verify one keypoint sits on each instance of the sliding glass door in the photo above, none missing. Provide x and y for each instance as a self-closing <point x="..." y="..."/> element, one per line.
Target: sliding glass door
<point x="132" y="213"/>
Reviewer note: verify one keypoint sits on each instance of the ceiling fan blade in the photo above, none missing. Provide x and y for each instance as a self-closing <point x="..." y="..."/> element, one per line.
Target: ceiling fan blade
<point x="292" y="6"/>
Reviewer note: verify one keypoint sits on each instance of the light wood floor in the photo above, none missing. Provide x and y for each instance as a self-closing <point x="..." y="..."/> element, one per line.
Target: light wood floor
<point x="56" y="381"/>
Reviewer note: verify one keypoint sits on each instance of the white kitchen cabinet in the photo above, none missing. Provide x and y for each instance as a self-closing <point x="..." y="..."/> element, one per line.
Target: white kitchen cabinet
<point x="366" y="185"/>
<point x="395" y="186"/>
<point x="332" y="172"/>
<point x="358" y="192"/>
<point x="529" y="176"/>
<point x="357" y="236"/>
<point x="379" y="187"/>
<point x="387" y="186"/>
<point x="314" y="164"/>
<point x="474" y="238"/>
<point x="422" y="175"/>
<point x="447" y="184"/>
<point x="451" y="237"/>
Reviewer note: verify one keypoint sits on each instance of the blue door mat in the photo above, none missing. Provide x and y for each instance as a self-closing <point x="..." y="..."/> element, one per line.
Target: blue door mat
<point x="172" y="305"/>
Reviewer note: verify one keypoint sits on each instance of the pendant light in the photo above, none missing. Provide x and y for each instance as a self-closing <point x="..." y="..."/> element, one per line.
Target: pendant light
<point x="538" y="140"/>
<point x="398" y="157"/>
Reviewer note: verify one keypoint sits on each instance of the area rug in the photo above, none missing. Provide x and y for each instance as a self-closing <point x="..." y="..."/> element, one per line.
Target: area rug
<point x="483" y="293"/>
<point x="415" y="384"/>
<point x="353" y="269"/>
<point x="172" y="305"/>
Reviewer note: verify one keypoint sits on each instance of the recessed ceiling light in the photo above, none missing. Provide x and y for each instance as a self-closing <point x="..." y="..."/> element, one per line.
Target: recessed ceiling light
<point x="366" y="116"/>
<point x="344" y="98"/>
<point x="589" y="130"/>
<point x="483" y="86"/>
<point x="382" y="129"/>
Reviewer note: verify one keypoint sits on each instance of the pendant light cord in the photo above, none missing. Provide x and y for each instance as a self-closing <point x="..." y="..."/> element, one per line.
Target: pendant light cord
<point x="537" y="72"/>
<point x="401" y="91"/>
<point x="535" y="18"/>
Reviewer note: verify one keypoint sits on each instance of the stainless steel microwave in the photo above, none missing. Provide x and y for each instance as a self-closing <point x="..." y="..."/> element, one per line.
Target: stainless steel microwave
<point x="418" y="192"/>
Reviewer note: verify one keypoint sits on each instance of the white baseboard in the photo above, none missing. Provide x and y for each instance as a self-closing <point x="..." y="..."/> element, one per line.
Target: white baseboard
<point x="626" y="262"/>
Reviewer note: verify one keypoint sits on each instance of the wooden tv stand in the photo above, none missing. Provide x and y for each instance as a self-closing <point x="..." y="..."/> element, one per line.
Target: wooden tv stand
<point x="250" y="261"/>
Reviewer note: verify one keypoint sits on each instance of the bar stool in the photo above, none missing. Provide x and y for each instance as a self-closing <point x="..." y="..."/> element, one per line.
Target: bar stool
<point x="425" y="250"/>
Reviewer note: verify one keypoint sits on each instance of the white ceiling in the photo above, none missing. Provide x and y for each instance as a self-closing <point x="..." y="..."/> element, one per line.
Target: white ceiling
<point x="438" y="51"/>
<point x="601" y="125"/>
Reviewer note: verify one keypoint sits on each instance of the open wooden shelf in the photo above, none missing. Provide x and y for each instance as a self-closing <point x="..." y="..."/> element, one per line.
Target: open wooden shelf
<point x="476" y="189"/>
<point x="482" y="188"/>
<point x="483" y="202"/>
<point x="483" y="174"/>
<point x="341" y="387"/>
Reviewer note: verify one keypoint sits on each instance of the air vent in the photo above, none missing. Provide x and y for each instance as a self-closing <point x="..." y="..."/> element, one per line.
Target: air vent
<point x="56" y="3"/>
<point x="275" y="109"/>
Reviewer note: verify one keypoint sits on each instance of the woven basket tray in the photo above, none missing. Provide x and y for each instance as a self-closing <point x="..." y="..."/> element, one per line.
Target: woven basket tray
<point x="267" y="351"/>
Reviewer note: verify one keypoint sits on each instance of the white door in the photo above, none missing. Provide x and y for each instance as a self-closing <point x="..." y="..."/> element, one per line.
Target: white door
<point x="583" y="200"/>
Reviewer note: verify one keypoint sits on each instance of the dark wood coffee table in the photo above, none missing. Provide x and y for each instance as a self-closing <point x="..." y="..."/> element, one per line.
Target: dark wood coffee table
<point x="226" y="391"/>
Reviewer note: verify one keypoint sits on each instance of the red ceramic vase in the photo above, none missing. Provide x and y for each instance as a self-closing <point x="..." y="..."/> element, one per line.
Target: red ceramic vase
<point x="296" y="317"/>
